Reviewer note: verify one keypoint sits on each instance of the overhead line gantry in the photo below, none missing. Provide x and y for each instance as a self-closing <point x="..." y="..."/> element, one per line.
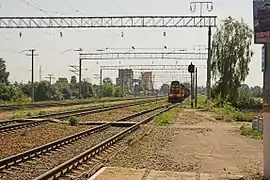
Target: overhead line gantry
<point x="120" y="22"/>
<point x="109" y="22"/>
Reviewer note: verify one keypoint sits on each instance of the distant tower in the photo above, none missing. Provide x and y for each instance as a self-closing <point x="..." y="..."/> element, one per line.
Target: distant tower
<point x="40" y="73"/>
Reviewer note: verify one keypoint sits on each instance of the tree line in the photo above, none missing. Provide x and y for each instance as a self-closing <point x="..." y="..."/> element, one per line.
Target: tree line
<point x="62" y="89"/>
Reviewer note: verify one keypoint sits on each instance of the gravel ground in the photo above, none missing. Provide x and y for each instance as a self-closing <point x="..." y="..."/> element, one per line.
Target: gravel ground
<point x="7" y="114"/>
<point x="108" y="115"/>
<point x="45" y="163"/>
<point x="114" y="115"/>
<point x="20" y="141"/>
<point x="195" y="142"/>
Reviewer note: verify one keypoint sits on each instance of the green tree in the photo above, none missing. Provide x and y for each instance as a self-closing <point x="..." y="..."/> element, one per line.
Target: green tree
<point x="231" y="56"/>
<point x="62" y="80"/>
<point x="3" y="72"/>
<point x="107" y="81"/>
<point x="44" y="91"/>
<point x="165" y="88"/>
<point x="117" y="91"/>
<point x="73" y="80"/>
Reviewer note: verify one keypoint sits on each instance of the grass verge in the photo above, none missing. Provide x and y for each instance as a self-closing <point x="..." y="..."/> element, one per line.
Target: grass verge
<point x="227" y="113"/>
<point x="201" y="103"/>
<point x="165" y="118"/>
<point x="246" y="130"/>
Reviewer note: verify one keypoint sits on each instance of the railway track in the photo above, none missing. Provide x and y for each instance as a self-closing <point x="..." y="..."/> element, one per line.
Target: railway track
<point x="56" y="157"/>
<point x="14" y="125"/>
<point x="54" y="104"/>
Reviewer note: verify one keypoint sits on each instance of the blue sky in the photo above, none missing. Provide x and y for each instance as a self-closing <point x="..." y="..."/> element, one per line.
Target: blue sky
<point x="49" y="44"/>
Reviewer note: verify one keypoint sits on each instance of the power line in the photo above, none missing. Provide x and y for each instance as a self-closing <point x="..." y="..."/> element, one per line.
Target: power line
<point x="35" y="6"/>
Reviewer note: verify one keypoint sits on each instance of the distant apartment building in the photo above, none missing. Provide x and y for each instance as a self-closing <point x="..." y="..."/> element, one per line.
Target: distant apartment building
<point x="125" y="77"/>
<point x="147" y="82"/>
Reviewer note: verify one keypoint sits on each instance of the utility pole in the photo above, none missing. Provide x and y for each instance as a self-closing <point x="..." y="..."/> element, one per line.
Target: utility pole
<point x="32" y="77"/>
<point x="196" y="86"/>
<point x="122" y="84"/>
<point x="209" y="70"/>
<point x="100" y="84"/>
<point x="50" y="77"/>
<point x="208" y="83"/>
<point x="192" y="89"/>
<point x="80" y="78"/>
<point x="80" y="70"/>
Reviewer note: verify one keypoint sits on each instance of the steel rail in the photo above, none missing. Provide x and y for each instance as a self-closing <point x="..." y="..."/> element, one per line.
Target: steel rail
<point x="63" y="115"/>
<point x="52" y="104"/>
<point x="22" y="125"/>
<point x="85" y="156"/>
<point x="7" y="122"/>
<point x="89" y="109"/>
<point x="104" y="109"/>
<point x="72" y="111"/>
<point x="24" y="156"/>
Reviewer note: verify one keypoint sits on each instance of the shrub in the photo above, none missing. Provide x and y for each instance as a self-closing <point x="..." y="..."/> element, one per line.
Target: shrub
<point x="73" y="121"/>
<point x="249" y="132"/>
<point x="243" y="117"/>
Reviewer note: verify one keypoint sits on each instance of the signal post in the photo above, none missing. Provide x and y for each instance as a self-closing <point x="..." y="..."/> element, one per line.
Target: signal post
<point x="191" y="70"/>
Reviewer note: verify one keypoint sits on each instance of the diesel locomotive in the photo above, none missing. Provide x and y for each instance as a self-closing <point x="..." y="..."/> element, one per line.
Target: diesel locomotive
<point x="178" y="92"/>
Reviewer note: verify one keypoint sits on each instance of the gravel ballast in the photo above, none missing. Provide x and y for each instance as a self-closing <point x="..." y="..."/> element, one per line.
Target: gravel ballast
<point x="45" y="163"/>
<point x="20" y="141"/>
<point x="116" y="114"/>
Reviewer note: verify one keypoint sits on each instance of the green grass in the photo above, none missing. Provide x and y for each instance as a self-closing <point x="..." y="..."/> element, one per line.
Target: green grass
<point x="18" y="116"/>
<point x="246" y="130"/>
<point x="165" y="118"/>
<point x="201" y="102"/>
<point x="227" y="113"/>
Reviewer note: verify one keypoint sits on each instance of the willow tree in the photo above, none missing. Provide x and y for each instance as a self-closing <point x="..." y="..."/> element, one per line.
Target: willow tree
<point x="231" y="55"/>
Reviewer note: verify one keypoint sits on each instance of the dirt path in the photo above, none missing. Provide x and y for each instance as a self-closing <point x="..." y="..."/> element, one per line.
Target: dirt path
<point x="196" y="142"/>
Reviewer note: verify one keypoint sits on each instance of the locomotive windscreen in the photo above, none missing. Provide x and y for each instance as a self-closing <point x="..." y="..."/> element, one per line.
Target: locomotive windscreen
<point x="175" y="87"/>
<point x="175" y="83"/>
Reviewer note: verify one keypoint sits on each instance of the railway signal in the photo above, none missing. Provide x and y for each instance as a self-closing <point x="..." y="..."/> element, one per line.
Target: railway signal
<point x="191" y="68"/>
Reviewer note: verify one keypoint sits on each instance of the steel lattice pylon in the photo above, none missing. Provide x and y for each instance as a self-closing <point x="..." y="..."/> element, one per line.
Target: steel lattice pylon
<point x="109" y="22"/>
<point x="143" y="55"/>
<point x="148" y="67"/>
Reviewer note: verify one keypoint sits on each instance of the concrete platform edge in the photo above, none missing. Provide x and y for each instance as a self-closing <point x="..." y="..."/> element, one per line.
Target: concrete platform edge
<point x="97" y="173"/>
